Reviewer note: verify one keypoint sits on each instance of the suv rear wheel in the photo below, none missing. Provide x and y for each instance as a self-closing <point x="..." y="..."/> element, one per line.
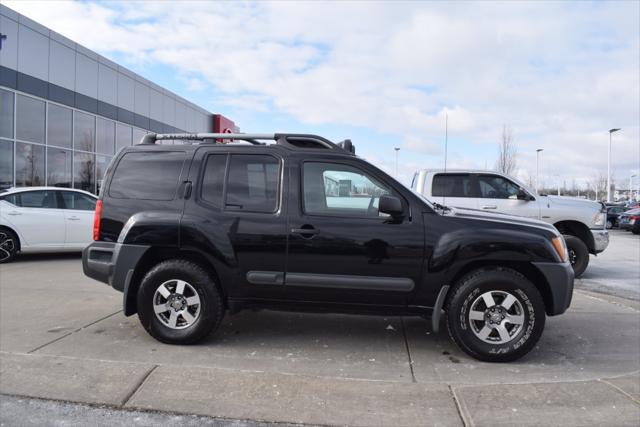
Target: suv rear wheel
<point x="178" y="302"/>
<point x="495" y="315"/>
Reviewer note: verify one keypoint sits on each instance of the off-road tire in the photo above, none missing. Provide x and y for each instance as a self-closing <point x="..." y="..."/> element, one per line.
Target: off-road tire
<point x="211" y="309"/>
<point x="470" y="288"/>
<point x="578" y="254"/>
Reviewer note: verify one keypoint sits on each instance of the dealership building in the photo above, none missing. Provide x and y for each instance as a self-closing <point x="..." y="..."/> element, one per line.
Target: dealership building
<point x="66" y="110"/>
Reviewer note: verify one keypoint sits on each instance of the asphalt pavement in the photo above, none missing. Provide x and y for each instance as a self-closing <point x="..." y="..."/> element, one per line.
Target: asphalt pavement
<point x="68" y="356"/>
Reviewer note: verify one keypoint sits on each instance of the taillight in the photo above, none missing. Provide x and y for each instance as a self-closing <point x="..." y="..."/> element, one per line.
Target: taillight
<point x="96" y="220"/>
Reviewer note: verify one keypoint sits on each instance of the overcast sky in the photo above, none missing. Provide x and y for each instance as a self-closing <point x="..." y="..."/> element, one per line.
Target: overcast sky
<point x="385" y="74"/>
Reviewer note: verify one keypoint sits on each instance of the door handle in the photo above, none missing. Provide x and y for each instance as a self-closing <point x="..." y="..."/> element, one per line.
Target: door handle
<point x="73" y="218"/>
<point x="490" y="207"/>
<point x="14" y="213"/>
<point x="307" y="233"/>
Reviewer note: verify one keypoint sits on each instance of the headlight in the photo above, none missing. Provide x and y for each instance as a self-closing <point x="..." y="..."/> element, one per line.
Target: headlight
<point x="561" y="248"/>
<point x="599" y="219"/>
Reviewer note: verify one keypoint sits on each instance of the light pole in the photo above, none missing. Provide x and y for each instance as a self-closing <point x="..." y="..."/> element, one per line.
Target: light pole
<point x="631" y="187"/>
<point x="538" y="151"/>
<point x="609" y="165"/>
<point x="397" y="149"/>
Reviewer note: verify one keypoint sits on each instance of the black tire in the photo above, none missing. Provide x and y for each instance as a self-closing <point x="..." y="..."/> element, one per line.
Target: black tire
<point x="467" y="294"/>
<point x="211" y="307"/>
<point x="9" y="245"/>
<point x="636" y="228"/>
<point x="578" y="254"/>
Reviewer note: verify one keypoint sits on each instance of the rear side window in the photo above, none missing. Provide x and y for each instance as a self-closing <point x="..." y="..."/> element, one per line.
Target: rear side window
<point x="452" y="185"/>
<point x="213" y="179"/>
<point x="34" y="199"/>
<point x="150" y="175"/>
<point x="253" y="183"/>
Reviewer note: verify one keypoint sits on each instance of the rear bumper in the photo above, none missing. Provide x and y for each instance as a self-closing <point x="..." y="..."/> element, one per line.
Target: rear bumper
<point x="560" y="277"/>
<point x="600" y="240"/>
<point x="112" y="263"/>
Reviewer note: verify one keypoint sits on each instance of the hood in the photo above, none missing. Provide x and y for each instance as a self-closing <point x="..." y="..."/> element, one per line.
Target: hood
<point x="573" y="202"/>
<point x="481" y="215"/>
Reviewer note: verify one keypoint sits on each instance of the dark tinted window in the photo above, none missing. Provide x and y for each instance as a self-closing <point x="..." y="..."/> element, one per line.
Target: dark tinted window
<point x="497" y="187"/>
<point x="147" y="175"/>
<point x="34" y="199"/>
<point x="452" y="185"/>
<point x="253" y="183"/>
<point x="78" y="201"/>
<point x="213" y="179"/>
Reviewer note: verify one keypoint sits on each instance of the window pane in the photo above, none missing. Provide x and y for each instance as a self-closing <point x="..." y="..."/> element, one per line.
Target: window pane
<point x="253" y="183"/>
<point x="84" y="131"/>
<point x="37" y="199"/>
<point x="101" y="167"/>
<point x="29" y="165"/>
<point x="137" y="135"/>
<point x="6" y="164"/>
<point x="59" y="126"/>
<point x="83" y="172"/>
<point x="496" y="187"/>
<point x="341" y="190"/>
<point x="105" y="136"/>
<point x="58" y="167"/>
<point x="6" y="114"/>
<point x="30" y="119"/>
<point x="213" y="179"/>
<point x="123" y="136"/>
<point x="451" y="185"/>
<point x="151" y="175"/>
<point x="78" y="201"/>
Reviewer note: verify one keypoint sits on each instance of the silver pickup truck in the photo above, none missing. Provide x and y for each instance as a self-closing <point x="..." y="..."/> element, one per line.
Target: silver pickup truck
<point x="582" y="222"/>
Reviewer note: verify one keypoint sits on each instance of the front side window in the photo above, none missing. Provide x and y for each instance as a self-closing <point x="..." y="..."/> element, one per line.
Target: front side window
<point x="149" y="175"/>
<point x="341" y="190"/>
<point x="78" y="201"/>
<point x="253" y="182"/>
<point x="497" y="187"/>
<point x="452" y="185"/>
<point x="34" y="199"/>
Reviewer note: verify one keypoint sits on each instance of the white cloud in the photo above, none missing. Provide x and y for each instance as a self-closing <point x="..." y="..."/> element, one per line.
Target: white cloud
<point x="560" y="74"/>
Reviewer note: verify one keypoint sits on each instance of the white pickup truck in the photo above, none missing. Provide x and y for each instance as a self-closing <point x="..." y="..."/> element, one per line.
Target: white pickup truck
<point x="582" y="222"/>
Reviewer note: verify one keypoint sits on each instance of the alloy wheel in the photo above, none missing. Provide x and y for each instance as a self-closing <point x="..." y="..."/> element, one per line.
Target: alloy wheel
<point x="176" y="304"/>
<point x="496" y="317"/>
<point x="7" y="246"/>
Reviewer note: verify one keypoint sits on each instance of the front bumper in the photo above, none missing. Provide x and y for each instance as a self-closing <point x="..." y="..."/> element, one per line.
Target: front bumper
<point x="560" y="277"/>
<point x="600" y="240"/>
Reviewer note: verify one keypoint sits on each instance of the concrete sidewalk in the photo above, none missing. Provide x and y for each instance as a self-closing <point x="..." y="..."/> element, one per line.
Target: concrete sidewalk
<point x="63" y="337"/>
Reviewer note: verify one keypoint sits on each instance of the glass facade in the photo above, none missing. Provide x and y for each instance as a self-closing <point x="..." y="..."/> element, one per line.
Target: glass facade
<point x="44" y="143"/>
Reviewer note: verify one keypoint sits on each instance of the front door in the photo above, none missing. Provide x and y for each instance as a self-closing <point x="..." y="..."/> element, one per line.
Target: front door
<point x="341" y="248"/>
<point x="498" y="194"/>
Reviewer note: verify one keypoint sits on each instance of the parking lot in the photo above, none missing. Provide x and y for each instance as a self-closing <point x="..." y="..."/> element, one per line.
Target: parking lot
<point x="64" y="337"/>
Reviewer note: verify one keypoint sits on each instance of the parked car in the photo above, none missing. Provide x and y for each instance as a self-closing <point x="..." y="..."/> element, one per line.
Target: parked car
<point x="189" y="232"/>
<point x="582" y="222"/>
<point x="630" y="221"/>
<point x="613" y="214"/>
<point x="44" y="219"/>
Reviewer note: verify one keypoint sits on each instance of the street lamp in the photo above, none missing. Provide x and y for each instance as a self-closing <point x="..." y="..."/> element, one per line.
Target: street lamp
<point x="631" y="187"/>
<point x="609" y="165"/>
<point x="397" y="149"/>
<point x="538" y="151"/>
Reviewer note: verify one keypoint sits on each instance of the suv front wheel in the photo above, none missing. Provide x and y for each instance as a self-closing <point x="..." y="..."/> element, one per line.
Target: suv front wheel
<point x="178" y="302"/>
<point x="495" y="315"/>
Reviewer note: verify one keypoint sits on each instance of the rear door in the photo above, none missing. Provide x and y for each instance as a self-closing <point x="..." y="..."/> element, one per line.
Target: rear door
<point x="454" y="189"/>
<point x="36" y="216"/>
<point x="78" y="216"/>
<point x="237" y="217"/>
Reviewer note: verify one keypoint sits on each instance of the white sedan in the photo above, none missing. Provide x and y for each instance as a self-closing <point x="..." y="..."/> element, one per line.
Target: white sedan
<point x="45" y="219"/>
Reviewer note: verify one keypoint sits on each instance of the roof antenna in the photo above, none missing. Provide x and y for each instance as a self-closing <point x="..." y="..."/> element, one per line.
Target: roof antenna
<point x="446" y="142"/>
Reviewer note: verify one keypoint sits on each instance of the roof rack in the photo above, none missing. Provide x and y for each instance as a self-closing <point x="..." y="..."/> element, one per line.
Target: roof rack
<point x="295" y="141"/>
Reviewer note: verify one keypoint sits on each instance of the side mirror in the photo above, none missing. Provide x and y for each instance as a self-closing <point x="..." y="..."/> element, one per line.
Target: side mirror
<point x="523" y="195"/>
<point x="390" y="205"/>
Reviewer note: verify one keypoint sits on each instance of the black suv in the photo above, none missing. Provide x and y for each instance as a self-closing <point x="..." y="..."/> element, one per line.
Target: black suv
<point x="189" y="231"/>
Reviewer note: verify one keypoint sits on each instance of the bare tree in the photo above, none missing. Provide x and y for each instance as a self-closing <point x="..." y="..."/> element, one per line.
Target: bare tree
<point x="507" y="153"/>
<point x="597" y="184"/>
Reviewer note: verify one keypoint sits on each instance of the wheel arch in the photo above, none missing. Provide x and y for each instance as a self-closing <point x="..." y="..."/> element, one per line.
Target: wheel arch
<point x="579" y="230"/>
<point x="529" y="271"/>
<point x="157" y="255"/>
<point x="6" y="227"/>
